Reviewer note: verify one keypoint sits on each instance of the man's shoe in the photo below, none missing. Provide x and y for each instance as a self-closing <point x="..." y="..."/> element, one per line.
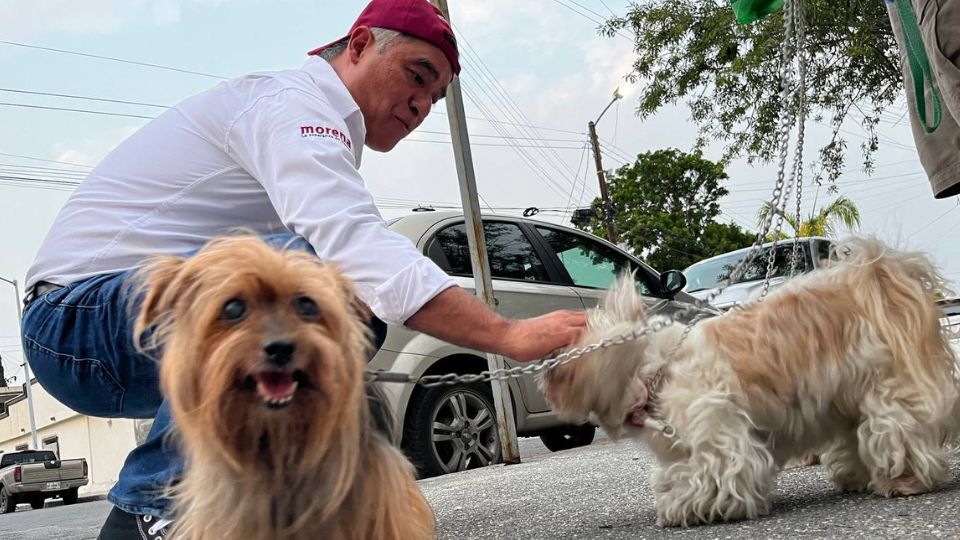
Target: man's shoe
<point x="122" y="525"/>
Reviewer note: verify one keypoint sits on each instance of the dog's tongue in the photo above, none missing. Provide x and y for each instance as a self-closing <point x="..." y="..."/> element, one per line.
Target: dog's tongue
<point x="275" y="384"/>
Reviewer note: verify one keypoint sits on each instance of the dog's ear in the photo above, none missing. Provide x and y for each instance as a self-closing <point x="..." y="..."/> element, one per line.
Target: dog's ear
<point x="159" y="297"/>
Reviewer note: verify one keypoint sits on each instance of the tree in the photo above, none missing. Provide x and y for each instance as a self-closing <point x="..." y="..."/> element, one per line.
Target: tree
<point x="664" y="206"/>
<point x="842" y="211"/>
<point x="729" y="74"/>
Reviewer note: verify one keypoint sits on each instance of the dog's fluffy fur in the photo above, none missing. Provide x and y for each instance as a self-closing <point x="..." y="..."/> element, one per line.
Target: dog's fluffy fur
<point x="273" y="451"/>
<point x="849" y="359"/>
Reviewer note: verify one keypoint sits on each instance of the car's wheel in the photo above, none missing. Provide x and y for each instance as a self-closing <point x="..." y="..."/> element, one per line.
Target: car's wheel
<point x="37" y="503"/>
<point x="450" y="429"/>
<point x="568" y="437"/>
<point x="69" y="496"/>
<point x="8" y="502"/>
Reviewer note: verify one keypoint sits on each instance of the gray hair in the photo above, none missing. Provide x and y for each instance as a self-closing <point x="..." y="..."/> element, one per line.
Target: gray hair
<point x="382" y="36"/>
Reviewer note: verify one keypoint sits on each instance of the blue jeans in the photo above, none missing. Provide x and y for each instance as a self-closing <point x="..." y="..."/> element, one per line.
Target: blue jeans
<point x="79" y="342"/>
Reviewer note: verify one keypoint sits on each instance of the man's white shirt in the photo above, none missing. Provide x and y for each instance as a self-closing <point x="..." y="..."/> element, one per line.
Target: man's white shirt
<point x="265" y="153"/>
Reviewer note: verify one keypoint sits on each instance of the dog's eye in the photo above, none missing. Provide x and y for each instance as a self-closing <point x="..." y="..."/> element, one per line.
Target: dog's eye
<point x="233" y="310"/>
<point x="306" y="307"/>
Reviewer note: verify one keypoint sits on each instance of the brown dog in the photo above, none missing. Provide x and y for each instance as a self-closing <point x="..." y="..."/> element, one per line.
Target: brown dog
<point x="263" y="366"/>
<point x="850" y="359"/>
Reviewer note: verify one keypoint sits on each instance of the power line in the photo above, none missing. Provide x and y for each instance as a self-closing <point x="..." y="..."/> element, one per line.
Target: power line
<point x="898" y="202"/>
<point x="585" y="8"/>
<point x="566" y="209"/>
<point x="88" y="98"/>
<point x="938" y="218"/>
<point x="873" y="181"/>
<point x="44" y="174"/>
<point x="513" y="145"/>
<point x="510" y="107"/>
<point x="87" y="111"/>
<point x="469" y="53"/>
<point x="608" y="8"/>
<point x="537" y="169"/>
<point x="591" y="19"/>
<point x="21" y="156"/>
<point x="29" y="168"/>
<point x="50" y="181"/>
<point x="506" y="123"/>
<point x="472" y="135"/>
<point x="113" y="59"/>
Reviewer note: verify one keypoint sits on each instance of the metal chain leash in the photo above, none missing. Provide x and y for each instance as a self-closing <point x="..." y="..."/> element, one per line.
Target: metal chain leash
<point x="794" y="26"/>
<point x="801" y="121"/>
<point x="532" y="368"/>
<point x="792" y="48"/>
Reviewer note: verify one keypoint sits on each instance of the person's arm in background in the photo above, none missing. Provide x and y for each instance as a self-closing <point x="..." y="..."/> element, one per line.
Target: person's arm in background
<point x="457" y="316"/>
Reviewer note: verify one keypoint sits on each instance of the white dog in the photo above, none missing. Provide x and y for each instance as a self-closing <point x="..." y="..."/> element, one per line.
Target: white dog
<point x="849" y="360"/>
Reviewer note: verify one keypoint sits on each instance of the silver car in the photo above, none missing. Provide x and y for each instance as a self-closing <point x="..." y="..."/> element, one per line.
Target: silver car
<point x="708" y="274"/>
<point x="536" y="268"/>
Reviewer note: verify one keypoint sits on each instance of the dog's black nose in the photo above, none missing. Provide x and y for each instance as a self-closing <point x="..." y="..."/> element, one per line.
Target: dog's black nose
<point x="280" y="352"/>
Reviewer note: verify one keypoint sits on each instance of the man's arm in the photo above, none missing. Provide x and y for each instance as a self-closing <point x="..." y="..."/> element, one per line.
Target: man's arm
<point x="457" y="316"/>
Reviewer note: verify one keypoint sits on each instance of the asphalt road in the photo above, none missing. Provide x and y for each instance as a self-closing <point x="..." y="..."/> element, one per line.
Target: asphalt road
<point x="600" y="491"/>
<point x="82" y="521"/>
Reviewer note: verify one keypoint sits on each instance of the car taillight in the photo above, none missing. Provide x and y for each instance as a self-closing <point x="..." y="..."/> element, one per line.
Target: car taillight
<point x="84" y="467"/>
<point x="16" y="474"/>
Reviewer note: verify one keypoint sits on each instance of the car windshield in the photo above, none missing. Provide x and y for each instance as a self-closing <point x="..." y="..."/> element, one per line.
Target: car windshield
<point x="26" y="457"/>
<point x="711" y="273"/>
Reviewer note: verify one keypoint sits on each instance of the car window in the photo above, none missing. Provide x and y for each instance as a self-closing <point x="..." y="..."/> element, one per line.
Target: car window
<point x="711" y="273"/>
<point x="26" y="457"/>
<point x="823" y="249"/>
<point x="591" y="264"/>
<point x="510" y="253"/>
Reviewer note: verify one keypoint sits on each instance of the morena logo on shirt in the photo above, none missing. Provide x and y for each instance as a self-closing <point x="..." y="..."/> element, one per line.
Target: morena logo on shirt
<point x="324" y="131"/>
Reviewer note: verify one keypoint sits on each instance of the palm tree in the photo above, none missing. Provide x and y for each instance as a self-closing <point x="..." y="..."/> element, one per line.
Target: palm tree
<point x="842" y="211"/>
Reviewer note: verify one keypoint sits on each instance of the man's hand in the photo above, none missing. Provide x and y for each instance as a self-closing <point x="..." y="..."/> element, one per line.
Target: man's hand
<point x="458" y="317"/>
<point x="532" y="339"/>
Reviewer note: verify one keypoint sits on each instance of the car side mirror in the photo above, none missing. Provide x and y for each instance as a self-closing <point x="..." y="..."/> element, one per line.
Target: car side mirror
<point x="672" y="282"/>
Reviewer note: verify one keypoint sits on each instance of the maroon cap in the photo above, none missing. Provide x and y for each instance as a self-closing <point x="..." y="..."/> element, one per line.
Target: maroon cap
<point x="418" y="18"/>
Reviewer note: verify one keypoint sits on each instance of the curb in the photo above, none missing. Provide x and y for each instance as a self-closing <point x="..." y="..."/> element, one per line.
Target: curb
<point x="86" y="498"/>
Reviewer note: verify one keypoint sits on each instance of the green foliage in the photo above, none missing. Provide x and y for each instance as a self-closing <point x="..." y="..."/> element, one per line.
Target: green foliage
<point x="664" y="206"/>
<point x="729" y="74"/>
<point x="842" y="211"/>
<point x="723" y="237"/>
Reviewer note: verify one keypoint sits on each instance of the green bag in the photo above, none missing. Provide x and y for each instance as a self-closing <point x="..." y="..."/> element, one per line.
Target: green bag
<point x="748" y="11"/>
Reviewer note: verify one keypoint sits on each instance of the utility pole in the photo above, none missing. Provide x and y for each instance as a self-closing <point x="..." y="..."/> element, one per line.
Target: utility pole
<point x="26" y="365"/>
<point x="470" y="199"/>
<point x="607" y="206"/>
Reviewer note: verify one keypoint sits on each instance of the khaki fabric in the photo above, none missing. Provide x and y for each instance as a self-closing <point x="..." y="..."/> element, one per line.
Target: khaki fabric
<point x="939" y="151"/>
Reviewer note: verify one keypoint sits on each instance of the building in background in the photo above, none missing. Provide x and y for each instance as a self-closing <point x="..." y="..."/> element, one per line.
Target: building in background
<point x="104" y="442"/>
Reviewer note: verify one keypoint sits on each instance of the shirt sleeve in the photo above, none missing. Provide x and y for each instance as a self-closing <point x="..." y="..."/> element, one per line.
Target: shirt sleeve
<point x="301" y="152"/>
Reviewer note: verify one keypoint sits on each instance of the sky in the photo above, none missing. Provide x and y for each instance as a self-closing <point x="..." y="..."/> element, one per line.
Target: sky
<point x="534" y="73"/>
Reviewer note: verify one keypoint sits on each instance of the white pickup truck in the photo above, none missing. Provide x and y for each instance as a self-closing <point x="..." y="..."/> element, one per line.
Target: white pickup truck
<point x="33" y="476"/>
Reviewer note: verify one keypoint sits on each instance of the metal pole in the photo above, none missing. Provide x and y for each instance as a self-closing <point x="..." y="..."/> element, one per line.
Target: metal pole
<point x="26" y="365"/>
<point x="607" y="207"/>
<point x="478" y="254"/>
